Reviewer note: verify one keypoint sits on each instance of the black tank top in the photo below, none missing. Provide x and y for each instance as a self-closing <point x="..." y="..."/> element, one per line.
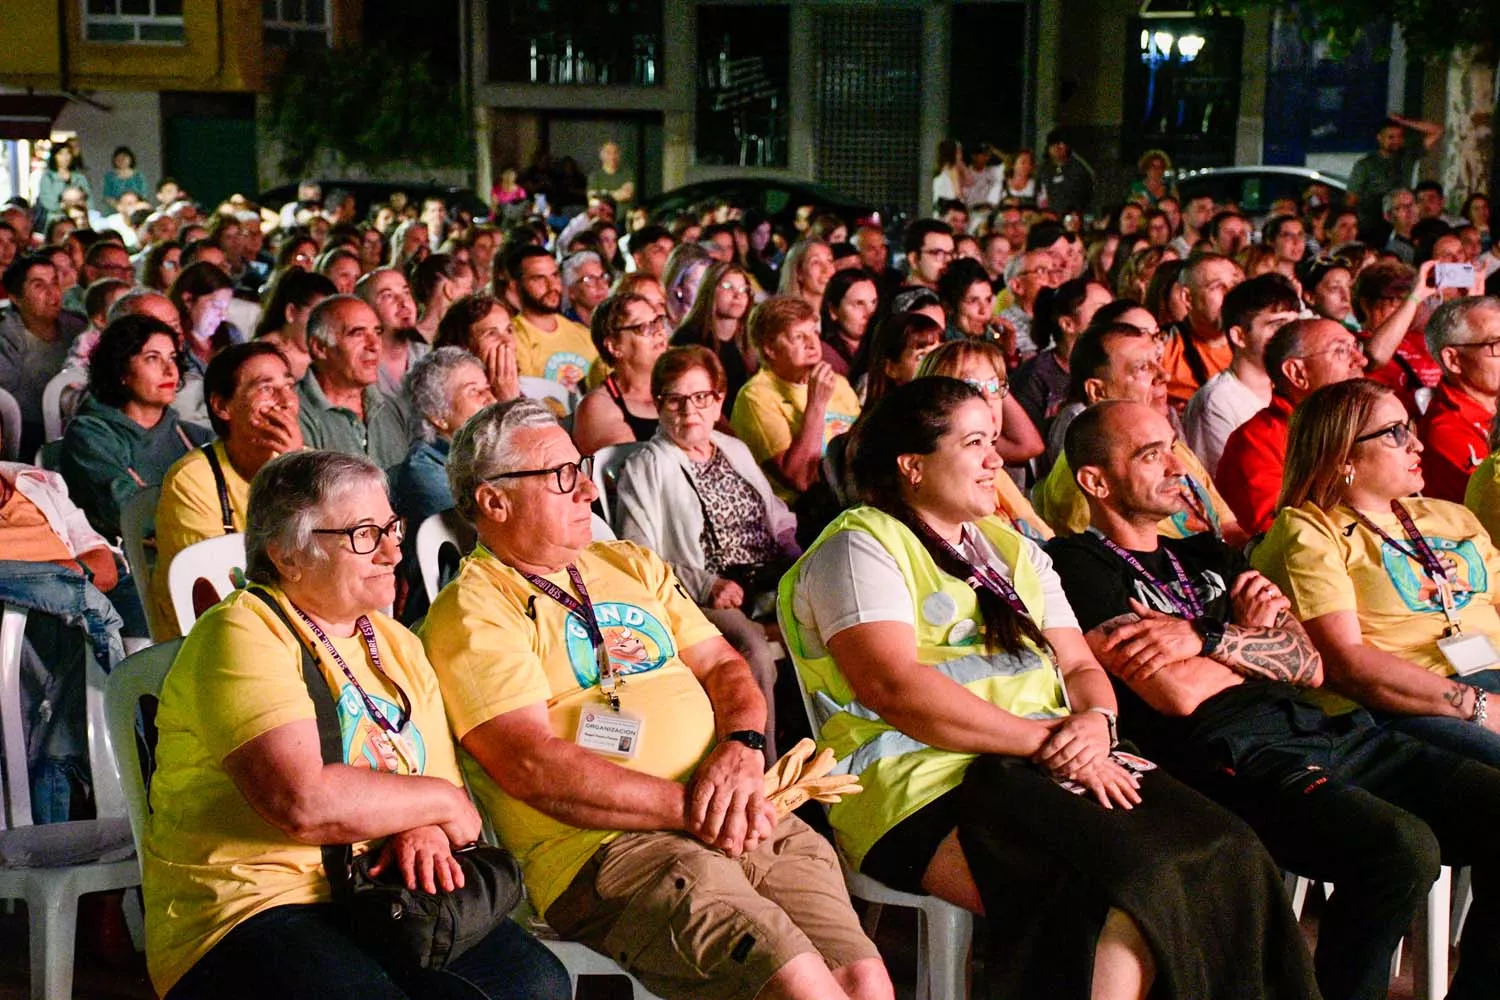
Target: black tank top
<point x="644" y="428"/>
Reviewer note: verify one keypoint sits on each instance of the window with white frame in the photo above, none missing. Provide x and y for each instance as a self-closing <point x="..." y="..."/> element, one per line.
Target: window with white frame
<point x="158" y="21"/>
<point x="297" y="24"/>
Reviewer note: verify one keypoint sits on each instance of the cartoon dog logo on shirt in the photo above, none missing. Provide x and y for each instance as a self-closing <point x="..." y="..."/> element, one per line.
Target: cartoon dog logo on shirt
<point x="636" y="641"/>
<point x="1418" y="592"/>
<point x="361" y="733"/>
<point x="566" y="368"/>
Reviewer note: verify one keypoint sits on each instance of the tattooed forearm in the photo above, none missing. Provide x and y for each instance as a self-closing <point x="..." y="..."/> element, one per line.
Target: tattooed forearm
<point x="1284" y="653"/>
<point x="1455" y="694"/>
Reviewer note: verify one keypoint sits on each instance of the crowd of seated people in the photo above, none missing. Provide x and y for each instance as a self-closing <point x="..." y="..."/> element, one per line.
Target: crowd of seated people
<point x="1079" y="538"/>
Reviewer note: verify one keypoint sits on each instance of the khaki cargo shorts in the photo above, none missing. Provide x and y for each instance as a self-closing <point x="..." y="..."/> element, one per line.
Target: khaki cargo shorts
<point x="689" y="922"/>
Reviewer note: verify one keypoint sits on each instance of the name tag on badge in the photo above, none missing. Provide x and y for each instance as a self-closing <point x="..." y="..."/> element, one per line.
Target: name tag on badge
<point x="1468" y="653"/>
<point x="607" y="731"/>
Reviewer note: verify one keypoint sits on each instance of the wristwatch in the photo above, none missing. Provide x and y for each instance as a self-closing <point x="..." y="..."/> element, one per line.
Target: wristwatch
<point x="1211" y="630"/>
<point x="749" y="737"/>
<point x="1112" y="720"/>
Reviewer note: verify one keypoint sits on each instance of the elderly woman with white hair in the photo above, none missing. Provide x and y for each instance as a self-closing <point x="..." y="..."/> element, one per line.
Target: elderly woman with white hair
<point x="445" y="388"/>
<point x="238" y="903"/>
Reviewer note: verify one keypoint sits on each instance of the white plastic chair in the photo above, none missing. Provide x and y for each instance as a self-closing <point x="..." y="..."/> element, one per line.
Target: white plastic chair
<point x="944" y="931"/>
<point x="139" y="676"/>
<point x="53" y="421"/>
<point x="136" y="514"/>
<point x="607" y="463"/>
<point x="51" y="891"/>
<point x="217" y="562"/>
<point x="533" y="387"/>
<point x="439" y="533"/>
<point x="10" y="427"/>
<point x="602" y="531"/>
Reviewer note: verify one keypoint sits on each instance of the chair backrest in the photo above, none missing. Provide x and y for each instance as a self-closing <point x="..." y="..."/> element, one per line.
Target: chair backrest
<point x="602" y="531"/>
<point x="607" y="463"/>
<point x="53" y="422"/>
<point x="16" y="809"/>
<point x="203" y="574"/>
<point x="137" y="515"/>
<point x="10" y="427"/>
<point x="139" y="677"/>
<point x="442" y="540"/>
<point x="544" y="388"/>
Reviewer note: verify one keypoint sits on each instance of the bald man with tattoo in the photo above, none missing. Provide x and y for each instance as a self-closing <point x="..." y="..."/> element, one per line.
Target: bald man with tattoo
<point x="1208" y="664"/>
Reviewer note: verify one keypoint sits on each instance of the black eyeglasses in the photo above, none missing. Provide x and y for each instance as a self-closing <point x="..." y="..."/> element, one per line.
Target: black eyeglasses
<point x="678" y="402"/>
<point x="1490" y="347"/>
<point x="568" y="474"/>
<point x="1399" y="434"/>
<point x="366" y="538"/>
<point x="648" y="328"/>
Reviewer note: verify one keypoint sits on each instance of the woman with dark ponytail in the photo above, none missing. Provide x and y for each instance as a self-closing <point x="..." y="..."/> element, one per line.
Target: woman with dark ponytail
<point x="947" y="671"/>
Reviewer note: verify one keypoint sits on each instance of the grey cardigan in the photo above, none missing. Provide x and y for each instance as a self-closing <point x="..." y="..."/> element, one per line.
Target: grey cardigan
<point x="659" y="508"/>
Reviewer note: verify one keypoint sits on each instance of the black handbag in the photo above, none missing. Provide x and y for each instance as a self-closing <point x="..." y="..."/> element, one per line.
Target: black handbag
<point x="405" y="929"/>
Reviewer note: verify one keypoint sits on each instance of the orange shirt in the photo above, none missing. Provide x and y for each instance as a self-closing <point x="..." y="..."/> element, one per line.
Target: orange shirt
<point x="26" y="535"/>
<point x="1181" y="382"/>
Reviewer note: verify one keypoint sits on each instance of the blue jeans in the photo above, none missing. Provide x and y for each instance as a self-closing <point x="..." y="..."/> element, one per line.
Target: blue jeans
<point x="1458" y="735"/>
<point x="304" y="951"/>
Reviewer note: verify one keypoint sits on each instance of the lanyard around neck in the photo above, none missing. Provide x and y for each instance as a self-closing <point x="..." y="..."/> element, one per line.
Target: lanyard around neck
<point x="1421" y="553"/>
<point x="367" y="632"/>
<point x="1188" y="605"/>
<point x="609" y="680"/>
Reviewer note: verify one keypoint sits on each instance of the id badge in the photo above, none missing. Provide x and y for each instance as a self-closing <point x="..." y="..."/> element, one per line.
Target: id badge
<point x="611" y="732"/>
<point x="1131" y="762"/>
<point x="1468" y="652"/>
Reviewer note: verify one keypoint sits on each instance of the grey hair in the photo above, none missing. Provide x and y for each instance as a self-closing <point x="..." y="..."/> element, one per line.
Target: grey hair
<point x="1450" y="323"/>
<point x="364" y="288"/>
<point x="484" y="448"/>
<point x="321" y="322"/>
<point x="286" y="498"/>
<point x="1388" y="200"/>
<point x="573" y="263"/>
<point x="426" y="385"/>
<point x="125" y="304"/>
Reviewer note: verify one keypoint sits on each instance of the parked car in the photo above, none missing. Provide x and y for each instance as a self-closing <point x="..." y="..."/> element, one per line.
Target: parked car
<point x="368" y="193"/>
<point x="1255" y="188"/>
<point x="777" y="198"/>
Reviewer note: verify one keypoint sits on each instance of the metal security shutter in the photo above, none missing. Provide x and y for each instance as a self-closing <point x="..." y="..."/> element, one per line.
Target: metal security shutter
<point x="868" y="101"/>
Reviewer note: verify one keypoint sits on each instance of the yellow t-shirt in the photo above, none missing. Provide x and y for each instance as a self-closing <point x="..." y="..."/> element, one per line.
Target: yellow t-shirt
<point x="1483" y="494"/>
<point x="1326" y="561"/>
<point x="1063" y="506"/>
<point x="564" y="355"/>
<point x="188" y="512"/>
<point x="1012" y="504"/>
<point x="768" y="415"/>
<point x="210" y="860"/>
<point x="499" y="644"/>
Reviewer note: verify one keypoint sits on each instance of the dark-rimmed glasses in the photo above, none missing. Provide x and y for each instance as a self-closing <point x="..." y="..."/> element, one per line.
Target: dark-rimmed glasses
<point x="678" y="402"/>
<point x="366" y="538"/>
<point x="567" y="475"/>
<point x="651" y="326"/>
<point x="1399" y="434"/>
<point x="1490" y="347"/>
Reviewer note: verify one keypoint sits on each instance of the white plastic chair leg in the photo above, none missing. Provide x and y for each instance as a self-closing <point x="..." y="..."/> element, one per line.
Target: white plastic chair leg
<point x="1463" y="898"/>
<point x="944" y="955"/>
<point x="135" y="918"/>
<point x="1430" y="941"/>
<point x="52" y="922"/>
<point x="1296" y="890"/>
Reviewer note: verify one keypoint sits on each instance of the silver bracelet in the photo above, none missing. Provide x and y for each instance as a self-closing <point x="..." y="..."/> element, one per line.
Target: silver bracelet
<point x="1481" y="707"/>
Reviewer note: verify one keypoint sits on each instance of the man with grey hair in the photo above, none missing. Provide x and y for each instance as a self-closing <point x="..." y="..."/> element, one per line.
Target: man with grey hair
<point x="618" y="736"/>
<point x="343" y="408"/>
<point x="1400" y="209"/>
<point x="585" y="285"/>
<point x="1463" y="336"/>
<point x="1026" y="275"/>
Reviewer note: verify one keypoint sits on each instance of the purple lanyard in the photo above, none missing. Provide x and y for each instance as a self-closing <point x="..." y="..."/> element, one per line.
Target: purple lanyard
<point x="980" y="575"/>
<point x="584" y="609"/>
<point x="1187" y="604"/>
<point x="1423" y="554"/>
<point x="368" y="632"/>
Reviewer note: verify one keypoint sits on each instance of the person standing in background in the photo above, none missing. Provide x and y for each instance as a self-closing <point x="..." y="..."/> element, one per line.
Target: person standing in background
<point x="613" y="178"/>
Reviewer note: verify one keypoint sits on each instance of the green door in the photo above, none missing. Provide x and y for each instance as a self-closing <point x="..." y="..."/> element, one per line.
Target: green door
<point x="212" y="157"/>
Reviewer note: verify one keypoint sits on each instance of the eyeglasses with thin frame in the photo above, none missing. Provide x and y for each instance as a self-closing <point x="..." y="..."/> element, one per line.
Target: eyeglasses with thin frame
<point x="735" y="287"/>
<point x="1489" y="347"/>
<point x="936" y="252"/>
<point x="678" y="402"/>
<point x="991" y="387"/>
<point x="568" y="475"/>
<point x="655" y="325"/>
<point x="1399" y="433"/>
<point x="366" y="538"/>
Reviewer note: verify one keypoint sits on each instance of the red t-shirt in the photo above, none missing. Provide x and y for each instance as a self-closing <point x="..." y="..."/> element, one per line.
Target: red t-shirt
<point x="1455" y="433"/>
<point x="1249" y="475"/>
<point x="1410" y="368"/>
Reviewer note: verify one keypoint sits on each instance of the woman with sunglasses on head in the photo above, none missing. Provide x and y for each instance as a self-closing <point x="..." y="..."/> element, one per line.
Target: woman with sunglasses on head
<point x="1397" y="591"/>
<point x="696" y="497"/>
<point x="629" y="336"/>
<point x="239" y="903"/>
<point x="982" y="366"/>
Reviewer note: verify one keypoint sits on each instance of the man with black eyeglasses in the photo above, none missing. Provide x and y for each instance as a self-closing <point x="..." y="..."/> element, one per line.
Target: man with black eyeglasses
<point x="618" y="740"/>
<point x="1463" y="336"/>
<point x="928" y="244"/>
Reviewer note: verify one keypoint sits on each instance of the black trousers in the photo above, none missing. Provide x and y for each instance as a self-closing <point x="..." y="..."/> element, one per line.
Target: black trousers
<point x="1375" y="813"/>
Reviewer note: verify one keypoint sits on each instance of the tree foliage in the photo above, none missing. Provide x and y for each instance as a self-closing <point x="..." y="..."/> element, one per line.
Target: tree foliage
<point x="368" y="106"/>
<point x="1431" y="28"/>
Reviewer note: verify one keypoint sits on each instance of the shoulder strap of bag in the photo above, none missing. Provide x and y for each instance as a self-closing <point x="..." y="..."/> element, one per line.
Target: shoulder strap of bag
<point x="222" y="485"/>
<point x="336" y="857"/>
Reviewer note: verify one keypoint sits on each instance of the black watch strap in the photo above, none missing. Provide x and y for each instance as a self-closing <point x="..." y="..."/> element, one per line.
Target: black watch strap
<point x="1211" y="630"/>
<point x="749" y="737"/>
